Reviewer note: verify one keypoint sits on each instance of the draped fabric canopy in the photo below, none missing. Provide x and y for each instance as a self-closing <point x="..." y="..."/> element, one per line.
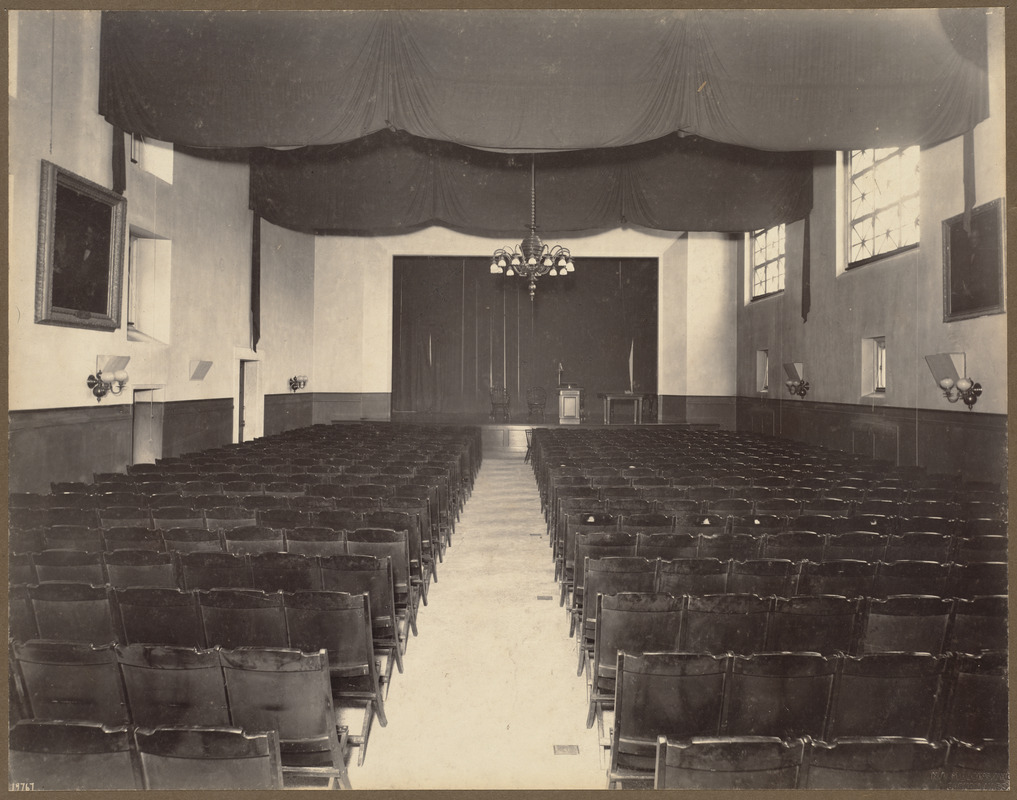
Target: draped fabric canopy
<point x="391" y="183"/>
<point x="546" y="80"/>
<point x="683" y="100"/>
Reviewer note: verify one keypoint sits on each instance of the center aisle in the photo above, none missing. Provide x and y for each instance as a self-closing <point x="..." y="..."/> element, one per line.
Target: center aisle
<point x="490" y="685"/>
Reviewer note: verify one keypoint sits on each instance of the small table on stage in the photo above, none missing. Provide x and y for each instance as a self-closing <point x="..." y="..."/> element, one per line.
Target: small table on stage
<point x="610" y="398"/>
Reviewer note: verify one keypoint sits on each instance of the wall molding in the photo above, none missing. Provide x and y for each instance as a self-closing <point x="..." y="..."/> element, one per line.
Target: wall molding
<point x="971" y="443"/>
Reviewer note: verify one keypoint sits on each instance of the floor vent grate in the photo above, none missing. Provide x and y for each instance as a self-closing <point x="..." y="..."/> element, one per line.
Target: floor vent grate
<point x="566" y="749"/>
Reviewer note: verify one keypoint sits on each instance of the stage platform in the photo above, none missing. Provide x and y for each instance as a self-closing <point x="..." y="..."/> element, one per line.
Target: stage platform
<point x="510" y="437"/>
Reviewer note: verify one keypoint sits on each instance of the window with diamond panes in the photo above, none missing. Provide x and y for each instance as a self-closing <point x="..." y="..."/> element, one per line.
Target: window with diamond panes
<point x="767" y="261"/>
<point x="883" y="202"/>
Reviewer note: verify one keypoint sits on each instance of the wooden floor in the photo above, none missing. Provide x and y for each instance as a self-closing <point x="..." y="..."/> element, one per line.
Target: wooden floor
<point x="490" y="686"/>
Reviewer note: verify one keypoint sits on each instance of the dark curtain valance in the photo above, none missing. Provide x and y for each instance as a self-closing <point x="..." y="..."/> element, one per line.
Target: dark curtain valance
<point x="546" y="80"/>
<point x="391" y="183"/>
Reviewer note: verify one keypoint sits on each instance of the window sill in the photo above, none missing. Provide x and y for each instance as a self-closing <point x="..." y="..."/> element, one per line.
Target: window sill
<point x="873" y="397"/>
<point x="853" y="265"/>
<point x="766" y="296"/>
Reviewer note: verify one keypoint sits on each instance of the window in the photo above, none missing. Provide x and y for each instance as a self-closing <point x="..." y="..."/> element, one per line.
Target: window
<point x="767" y="261"/>
<point x="148" y="288"/>
<point x="873" y="375"/>
<point x="879" y="366"/>
<point x="882" y="203"/>
<point x="153" y="156"/>
<point x="762" y="370"/>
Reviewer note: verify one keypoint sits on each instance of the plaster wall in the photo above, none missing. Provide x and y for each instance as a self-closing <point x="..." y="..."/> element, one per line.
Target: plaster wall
<point x="353" y="293"/>
<point x="899" y="297"/>
<point x="203" y="213"/>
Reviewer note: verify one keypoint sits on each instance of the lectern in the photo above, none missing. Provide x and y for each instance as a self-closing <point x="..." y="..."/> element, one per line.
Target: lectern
<point x="570" y="405"/>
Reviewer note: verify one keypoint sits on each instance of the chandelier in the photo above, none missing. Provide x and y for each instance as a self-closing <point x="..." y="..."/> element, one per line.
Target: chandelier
<point x="532" y="258"/>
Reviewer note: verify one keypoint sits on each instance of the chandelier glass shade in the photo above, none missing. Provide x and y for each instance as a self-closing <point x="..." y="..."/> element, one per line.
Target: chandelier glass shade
<point x="531" y="258"/>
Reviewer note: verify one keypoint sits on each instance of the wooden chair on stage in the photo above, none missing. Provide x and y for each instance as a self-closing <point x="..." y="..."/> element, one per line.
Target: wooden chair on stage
<point x="500" y="403"/>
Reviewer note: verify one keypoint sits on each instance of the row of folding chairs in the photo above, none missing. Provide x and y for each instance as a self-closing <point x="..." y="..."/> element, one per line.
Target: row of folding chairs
<point x="787" y="570"/>
<point x="719" y="500"/>
<point x="84" y="612"/>
<point x="826" y="624"/>
<point x="258" y="509"/>
<point x="337" y="622"/>
<point x="578" y="512"/>
<point x="401" y="513"/>
<point x="866" y="545"/>
<point x="112" y="556"/>
<point x="680" y="695"/>
<point x="746" y="623"/>
<point x="860" y="763"/>
<point x="54" y="755"/>
<point x="284" y="691"/>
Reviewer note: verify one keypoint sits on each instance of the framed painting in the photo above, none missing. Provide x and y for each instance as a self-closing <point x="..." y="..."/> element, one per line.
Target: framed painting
<point x="79" y="269"/>
<point x="973" y="264"/>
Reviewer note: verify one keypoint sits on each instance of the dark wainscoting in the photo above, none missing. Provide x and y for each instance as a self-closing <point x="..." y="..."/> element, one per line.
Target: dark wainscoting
<point x="67" y="444"/>
<point x="330" y="406"/>
<point x="192" y="425"/>
<point x="965" y="442"/>
<point x="698" y="410"/>
<point x="284" y="412"/>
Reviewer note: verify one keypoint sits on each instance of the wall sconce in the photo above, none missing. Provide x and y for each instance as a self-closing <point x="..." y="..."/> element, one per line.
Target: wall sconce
<point x="110" y="376"/>
<point x="947" y="369"/>
<point x="298" y="382"/>
<point x="796" y="385"/>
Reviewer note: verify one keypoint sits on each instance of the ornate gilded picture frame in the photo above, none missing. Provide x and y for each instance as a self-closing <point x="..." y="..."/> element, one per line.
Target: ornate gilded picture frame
<point x="973" y="264"/>
<point x="79" y="268"/>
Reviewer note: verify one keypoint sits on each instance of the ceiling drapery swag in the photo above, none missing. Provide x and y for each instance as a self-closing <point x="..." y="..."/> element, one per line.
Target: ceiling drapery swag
<point x="391" y="183"/>
<point x="772" y="80"/>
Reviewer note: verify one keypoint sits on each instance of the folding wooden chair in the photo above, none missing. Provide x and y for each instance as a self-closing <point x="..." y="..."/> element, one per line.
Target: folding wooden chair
<point x="212" y="570"/>
<point x="341" y="624"/>
<point x="905" y="623"/>
<point x="781" y="694"/>
<point x="978" y="624"/>
<point x="874" y="763"/>
<point x="169" y="685"/>
<point x="762" y="576"/>
<point x="380" y="542"/>
<point x="976" y="708"/>
<point x="243" y="618"/>
<point x="73" y="612"/>
<point x="692" y="576"/>
<point x="56" y="755"/>
<point x="725" y="623"/>
<point x="290" y="692"/>
<point x="844" y="578"/>
<point x="70" y="681"/>
<point x="203" y="758"/>
<point x="824" y="624"/>
<point x="886" y="694"/>
<point x="153" y="615"/>
<point x="362" y="574"/>
<point x="192" y="540"/>
<point x="677" y="695"/>
<point x="155" y="568"/>
<point x="69" y="565"/>
<point x="633" y="622"/>
<point x="253" y="539"/>
<point x="728" y="762"/>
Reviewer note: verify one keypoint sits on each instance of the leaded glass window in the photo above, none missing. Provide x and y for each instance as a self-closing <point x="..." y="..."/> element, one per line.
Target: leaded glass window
<point x="883" y="202"/>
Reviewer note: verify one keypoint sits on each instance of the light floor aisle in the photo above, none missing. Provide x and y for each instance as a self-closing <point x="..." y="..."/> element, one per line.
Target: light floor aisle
<point x="490" y="685"/>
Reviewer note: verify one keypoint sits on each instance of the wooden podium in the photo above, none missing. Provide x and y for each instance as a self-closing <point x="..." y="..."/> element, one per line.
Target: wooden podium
<point x="570" y="405"/>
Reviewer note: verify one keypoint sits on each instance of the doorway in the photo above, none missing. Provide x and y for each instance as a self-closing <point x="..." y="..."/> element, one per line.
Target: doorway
<point x="250" y="403"/>
<point x="147" y="426"/>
